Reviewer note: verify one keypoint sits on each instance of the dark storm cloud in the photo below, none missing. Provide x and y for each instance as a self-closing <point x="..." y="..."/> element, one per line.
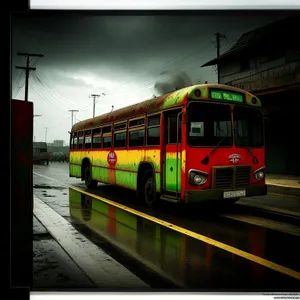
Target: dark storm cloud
<point x="123" y="56"/>
<point x="73" y="40"/>
<point x="123" y="48"/>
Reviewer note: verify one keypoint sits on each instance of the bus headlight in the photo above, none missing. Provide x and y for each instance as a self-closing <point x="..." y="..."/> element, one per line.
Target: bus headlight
<point x="197" y="177"/>
<point x="260" y="173"/>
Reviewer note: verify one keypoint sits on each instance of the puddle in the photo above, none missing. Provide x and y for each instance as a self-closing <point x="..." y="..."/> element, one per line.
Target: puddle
<point x="43" y="186"/>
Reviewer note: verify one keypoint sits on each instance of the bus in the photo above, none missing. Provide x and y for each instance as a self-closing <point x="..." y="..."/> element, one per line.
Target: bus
<point x="201" y="143"/>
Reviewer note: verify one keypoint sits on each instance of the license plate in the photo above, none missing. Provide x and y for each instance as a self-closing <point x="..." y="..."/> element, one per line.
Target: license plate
<point x="234" y="194"/>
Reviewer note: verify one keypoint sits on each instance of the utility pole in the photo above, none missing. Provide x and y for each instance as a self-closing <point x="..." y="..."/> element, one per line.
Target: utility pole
<point x="94" y="96"/>
<point x="34" y="117"/>
<point x="72" y="113"/>
<point x="219" y="36"/>
<point x="46" y="128"/>
<point x="27" y="69"/>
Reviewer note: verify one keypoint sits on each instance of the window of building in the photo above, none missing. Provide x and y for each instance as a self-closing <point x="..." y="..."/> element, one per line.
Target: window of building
<point x="245" y="64"/>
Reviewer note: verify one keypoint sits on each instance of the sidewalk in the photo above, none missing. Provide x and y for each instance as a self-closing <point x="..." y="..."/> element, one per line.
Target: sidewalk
<point x="64" y="259"/>
<point x="283" y="184"/>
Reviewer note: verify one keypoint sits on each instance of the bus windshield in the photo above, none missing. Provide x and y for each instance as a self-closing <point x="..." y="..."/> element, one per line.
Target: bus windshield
<point x="210" y="123"/>
<point x="248" y="127"/>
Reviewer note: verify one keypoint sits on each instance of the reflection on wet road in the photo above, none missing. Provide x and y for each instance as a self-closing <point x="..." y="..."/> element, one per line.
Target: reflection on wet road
<point x="185" y="260"/>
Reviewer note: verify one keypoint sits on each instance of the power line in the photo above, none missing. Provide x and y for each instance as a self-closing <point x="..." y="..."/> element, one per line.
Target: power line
<point x="27" y="69"/>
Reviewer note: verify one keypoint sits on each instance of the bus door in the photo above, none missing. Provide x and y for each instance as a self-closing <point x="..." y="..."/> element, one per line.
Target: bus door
<point x="172" y="155"/>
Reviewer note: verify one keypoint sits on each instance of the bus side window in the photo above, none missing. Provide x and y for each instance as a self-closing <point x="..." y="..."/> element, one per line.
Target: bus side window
<point x="71" y="141"/>
<point x="120" y="134"/>
<point x="172" y="130"/>
<point x="96" y="141"/>
<point x="107" y="142"/>
<point x="107" y="137"/>
<point x="75" y="140"/>
<point x="88" y="139"/>
<point x="80" y="140"/>
<point x="153" y="131"/>
<point x="120" y="140"/>
<point x="137" y="138"/>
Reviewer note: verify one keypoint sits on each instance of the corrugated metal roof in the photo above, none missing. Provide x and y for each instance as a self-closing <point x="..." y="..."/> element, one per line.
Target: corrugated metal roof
<point x="274" y="31"/>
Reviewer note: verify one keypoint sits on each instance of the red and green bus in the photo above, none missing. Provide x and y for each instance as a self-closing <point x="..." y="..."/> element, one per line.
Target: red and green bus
<point x="200" y="143"/>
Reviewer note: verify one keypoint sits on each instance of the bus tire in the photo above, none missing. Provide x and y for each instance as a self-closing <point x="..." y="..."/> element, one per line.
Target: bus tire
<point x="47" y="162"/>
<point x="150" y="195"/>
<point x="89" y="182"/>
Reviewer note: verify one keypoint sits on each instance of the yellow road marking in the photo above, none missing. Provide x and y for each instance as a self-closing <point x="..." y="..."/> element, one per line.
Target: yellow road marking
<point x="228" y="248"/>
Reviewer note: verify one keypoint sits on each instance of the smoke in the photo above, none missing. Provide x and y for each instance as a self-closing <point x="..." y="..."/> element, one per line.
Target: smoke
<point x="173" y="82"/>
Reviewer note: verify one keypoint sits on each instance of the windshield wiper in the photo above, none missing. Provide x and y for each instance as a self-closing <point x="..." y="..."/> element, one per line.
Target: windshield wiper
<point x="205" y="160"/>
<point x="254" y="159"/>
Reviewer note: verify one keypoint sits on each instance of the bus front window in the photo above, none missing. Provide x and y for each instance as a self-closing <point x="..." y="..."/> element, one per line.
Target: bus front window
<point x="208" y="123"/>
<point x="248" y="127"/>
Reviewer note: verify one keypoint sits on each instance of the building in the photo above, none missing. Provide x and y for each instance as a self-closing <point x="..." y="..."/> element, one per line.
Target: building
<point x="58" y="143"/>
<point x="266" y="62"/>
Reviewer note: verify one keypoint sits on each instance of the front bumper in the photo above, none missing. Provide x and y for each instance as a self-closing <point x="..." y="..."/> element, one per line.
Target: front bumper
<point x="217" y="195"/>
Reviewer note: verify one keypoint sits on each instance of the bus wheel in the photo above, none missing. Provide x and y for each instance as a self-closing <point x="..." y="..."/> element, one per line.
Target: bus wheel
<point x="89" y="182"/>
<point x="47" y="162"/>
<point x="149" y="189"/>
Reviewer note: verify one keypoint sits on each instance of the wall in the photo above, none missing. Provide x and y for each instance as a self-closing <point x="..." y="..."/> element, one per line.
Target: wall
<point x="262" y="72"/>
<point x="21" y="193"/>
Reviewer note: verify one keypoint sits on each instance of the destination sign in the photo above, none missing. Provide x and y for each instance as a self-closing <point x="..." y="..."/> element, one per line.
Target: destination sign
<point x="226" y="95"/>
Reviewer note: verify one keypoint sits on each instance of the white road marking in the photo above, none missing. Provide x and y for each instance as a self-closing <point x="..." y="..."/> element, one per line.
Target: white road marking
<point x="270" y="224"/>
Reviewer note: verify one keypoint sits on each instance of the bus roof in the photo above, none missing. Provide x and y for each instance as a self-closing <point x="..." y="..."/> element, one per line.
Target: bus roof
<point x="172" y="99"/>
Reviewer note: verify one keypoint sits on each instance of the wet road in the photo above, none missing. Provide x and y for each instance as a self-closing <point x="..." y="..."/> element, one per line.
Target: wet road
<point x="271" y="247"/>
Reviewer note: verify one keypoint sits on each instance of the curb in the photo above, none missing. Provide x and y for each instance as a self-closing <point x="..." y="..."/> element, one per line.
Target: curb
<point x="285" y="190"/>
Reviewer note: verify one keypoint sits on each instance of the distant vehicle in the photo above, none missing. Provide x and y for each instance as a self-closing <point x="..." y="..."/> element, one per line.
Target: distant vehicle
<point x="58" y="156"/>
<point x="40" y="153"/>
<point x="200" y="143"/>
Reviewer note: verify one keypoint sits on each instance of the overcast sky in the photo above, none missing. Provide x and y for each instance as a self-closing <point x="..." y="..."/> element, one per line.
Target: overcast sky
<point x="127" y="57"/>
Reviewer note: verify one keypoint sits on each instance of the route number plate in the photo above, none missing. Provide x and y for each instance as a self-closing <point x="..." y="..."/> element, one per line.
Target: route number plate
<point x="234" y="194"/>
